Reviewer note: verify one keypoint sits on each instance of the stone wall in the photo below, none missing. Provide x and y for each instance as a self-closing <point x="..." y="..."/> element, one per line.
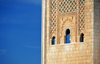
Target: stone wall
<point x="76" y="52"/>
<point x="96" y="32"/>
<point x="70" y="54"/>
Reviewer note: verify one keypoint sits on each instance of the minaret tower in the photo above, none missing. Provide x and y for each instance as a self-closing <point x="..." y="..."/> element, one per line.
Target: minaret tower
<point x="70" y="32"/>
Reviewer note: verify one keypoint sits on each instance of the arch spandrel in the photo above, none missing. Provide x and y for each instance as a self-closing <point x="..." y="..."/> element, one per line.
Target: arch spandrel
<point x="65" y="22"/>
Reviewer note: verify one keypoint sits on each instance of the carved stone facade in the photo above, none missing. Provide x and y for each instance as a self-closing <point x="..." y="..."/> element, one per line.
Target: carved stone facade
<point x="80" y="17"/>
<point x="66" y="21"/>
<point x="59" y="8"/>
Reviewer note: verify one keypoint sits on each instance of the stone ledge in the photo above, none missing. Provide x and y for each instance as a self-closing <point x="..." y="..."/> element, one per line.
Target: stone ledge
<point x="69" y="44"/>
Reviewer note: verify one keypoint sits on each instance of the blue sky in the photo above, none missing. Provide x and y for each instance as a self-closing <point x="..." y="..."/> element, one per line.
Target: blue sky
<point x="20" y="31"/>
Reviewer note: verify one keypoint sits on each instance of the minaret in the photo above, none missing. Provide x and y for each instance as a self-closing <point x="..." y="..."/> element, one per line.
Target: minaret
<point x="70" y="32"/>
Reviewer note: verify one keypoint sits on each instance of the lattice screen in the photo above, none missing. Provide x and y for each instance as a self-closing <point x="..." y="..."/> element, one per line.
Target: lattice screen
<point x="81" y="16"/>
<point x="53" y="16"/>
<point x="67" y="6"/>
<point x="63" y="7"/>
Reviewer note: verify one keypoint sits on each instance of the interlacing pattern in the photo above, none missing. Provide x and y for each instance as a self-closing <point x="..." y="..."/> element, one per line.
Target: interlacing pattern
<point x="67" y="6"/>
<point x="81" y="16"/>
<point x="53" y="16"/>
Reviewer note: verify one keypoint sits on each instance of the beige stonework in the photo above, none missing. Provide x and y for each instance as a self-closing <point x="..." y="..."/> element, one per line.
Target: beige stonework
<point x="79" y="16"/>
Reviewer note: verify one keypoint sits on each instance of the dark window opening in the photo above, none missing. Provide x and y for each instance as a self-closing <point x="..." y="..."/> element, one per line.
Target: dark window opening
<point x="67" y="36"/>
<point x="82" y="38"/>
<point x="53" y="41"/>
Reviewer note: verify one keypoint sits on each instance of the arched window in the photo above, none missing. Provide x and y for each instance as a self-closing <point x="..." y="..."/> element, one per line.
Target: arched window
<point x="67" y="36"/>
<point x="82" y="38"/>
<point x="53" y="41"/>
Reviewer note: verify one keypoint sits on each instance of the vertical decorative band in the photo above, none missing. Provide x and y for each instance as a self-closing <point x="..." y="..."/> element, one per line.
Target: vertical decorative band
<point x="53" y="16"/>
<point x="81" y="20"/>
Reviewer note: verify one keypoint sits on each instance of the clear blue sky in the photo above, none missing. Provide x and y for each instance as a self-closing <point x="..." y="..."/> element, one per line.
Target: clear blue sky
<point x="20" y="31"/>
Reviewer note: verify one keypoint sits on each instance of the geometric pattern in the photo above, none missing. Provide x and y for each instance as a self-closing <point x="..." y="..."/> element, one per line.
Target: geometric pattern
<point x="53" y="16"/>
<point x="58" y="7"/>
<point x="67" y="6"/>
<point x="81" y="23"/>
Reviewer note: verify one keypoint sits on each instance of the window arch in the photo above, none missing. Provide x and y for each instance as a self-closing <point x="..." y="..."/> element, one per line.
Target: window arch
<point x="53" y="41"/>
<point x="82" y="38"/>
<point x="67" y="38"/>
